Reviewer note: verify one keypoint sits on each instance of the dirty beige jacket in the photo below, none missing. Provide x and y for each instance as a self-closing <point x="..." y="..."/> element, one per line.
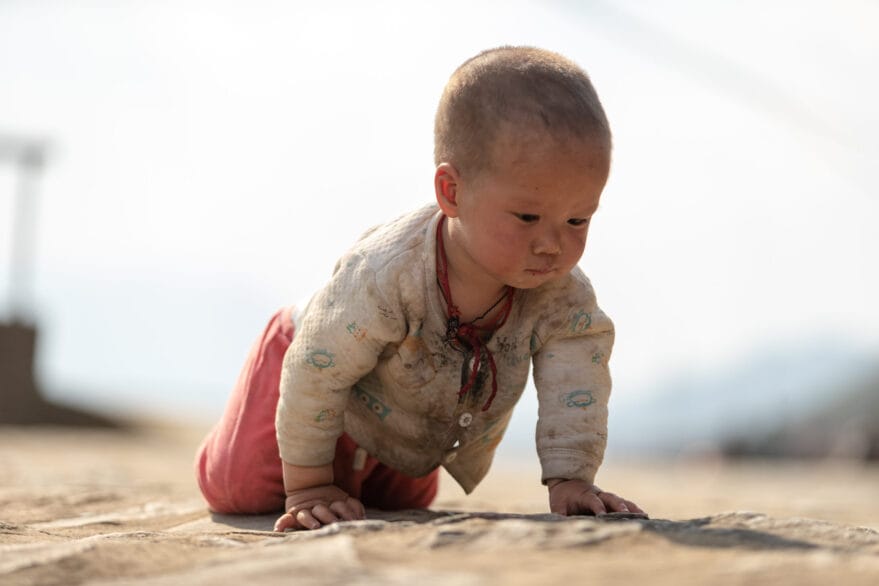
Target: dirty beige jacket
<point x="370" y="358"/>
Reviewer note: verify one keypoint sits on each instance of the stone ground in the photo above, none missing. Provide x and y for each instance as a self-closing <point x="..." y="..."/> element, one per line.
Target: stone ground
<point x="120" y="507"/>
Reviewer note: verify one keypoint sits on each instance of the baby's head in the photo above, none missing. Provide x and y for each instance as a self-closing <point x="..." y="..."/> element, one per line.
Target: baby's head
<point x="522" y="148"/>
<point x="519" y="93"/>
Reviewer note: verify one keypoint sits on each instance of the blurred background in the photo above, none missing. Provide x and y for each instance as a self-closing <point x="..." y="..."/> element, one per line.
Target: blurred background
<point x="173" y="172"/>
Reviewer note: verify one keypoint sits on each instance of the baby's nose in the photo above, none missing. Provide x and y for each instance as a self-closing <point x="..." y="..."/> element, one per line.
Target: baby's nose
<point x="548" y="243"/>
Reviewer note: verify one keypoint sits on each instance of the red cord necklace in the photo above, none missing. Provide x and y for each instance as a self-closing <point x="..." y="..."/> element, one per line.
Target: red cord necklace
<point x="469" y="334"/>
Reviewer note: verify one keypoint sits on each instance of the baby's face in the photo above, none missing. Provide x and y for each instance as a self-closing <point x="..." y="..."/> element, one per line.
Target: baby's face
<point x="524" y="222"/>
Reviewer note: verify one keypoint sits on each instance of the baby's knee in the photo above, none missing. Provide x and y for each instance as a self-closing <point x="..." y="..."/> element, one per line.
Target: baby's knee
<point x="393" y="491"/>
<point x="238" y="485"/>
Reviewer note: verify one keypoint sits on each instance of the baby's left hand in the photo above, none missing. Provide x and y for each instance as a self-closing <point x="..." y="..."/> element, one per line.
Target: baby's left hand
<point x="577" y="497"/>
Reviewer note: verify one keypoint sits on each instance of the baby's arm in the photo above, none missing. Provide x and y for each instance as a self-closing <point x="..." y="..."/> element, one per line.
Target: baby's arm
<point x="573" y="386"/>
<point x="575" y="497"/>
<point x="313" y="500"/>
<point x="338" y="341"/>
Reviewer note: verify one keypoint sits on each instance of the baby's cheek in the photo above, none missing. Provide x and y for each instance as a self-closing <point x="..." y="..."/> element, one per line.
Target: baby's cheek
<point x="573" y="253"/>
<point x="577" y="243"/>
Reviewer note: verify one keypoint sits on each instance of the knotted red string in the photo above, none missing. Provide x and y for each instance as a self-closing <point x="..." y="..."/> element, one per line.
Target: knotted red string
<point x="469" y="334"/>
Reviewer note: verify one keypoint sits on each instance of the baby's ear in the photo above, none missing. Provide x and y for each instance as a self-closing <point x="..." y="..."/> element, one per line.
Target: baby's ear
<point x="445" y="183"/>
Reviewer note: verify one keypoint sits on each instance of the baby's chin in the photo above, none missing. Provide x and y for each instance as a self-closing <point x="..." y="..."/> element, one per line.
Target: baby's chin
<point x="535" y="279"/>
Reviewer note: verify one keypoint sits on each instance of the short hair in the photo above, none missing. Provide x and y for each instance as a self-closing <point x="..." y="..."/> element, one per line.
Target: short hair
<point x="535" y="89"/>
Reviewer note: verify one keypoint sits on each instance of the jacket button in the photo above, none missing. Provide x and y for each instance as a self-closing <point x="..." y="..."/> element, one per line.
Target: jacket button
<point x="450" y="457"/>
<point x="465" y="419"/>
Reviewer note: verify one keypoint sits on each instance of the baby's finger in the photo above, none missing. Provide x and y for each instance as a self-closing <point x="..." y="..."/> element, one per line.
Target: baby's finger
<point x="357" y="507"/>
<point x="591" y="502"/>
<point x="286" y="521"/>
<point x="306" y="519"/>
<point x="323" y="514"/>
<point x="634" y="508"/>
<point x="343" y="510"/>
<point x="613" y="502"/>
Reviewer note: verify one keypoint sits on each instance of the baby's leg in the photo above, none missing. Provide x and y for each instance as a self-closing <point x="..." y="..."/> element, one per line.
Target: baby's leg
<point x="238" y="466"/>
<point x="379" y="486"/>
<point x="385" y="488"/>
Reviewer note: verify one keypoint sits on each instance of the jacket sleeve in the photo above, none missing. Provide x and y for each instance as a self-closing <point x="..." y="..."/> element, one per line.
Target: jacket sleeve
<point x="344" y="329"/>
<point x="573" y="387"/>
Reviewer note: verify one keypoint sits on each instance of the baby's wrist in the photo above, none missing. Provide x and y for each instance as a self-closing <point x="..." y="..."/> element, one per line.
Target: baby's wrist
<point x="297" y="478"/>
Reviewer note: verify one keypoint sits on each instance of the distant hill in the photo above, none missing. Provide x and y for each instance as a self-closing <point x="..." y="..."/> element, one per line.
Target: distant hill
<point x="847" y="427"/>
<point x="743" y="405"/>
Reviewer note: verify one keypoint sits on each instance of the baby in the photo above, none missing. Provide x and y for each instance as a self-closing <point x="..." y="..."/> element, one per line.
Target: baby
<point x="414" y="354"/>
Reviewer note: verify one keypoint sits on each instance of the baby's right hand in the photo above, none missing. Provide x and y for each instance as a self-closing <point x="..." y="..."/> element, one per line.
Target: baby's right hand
<point x="311" y="508"/>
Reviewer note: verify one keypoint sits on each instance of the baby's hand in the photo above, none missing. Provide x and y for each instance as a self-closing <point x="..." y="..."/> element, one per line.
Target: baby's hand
<point x="575" y="497"/>
<point x="311" y="508"/>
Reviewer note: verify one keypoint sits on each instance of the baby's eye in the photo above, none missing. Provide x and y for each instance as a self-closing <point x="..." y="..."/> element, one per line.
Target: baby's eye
<point x="578" y="221"/>
<point x="528" y="218"/>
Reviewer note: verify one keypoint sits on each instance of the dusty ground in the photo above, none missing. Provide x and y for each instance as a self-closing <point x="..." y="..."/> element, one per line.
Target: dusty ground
<point x="90" y="507"/>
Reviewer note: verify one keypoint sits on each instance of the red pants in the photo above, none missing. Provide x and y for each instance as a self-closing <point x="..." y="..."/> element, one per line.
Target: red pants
<point x="238" y="466"/>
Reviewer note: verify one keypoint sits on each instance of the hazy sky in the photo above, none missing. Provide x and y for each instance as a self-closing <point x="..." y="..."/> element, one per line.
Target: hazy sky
<point x="211" y="161"/>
